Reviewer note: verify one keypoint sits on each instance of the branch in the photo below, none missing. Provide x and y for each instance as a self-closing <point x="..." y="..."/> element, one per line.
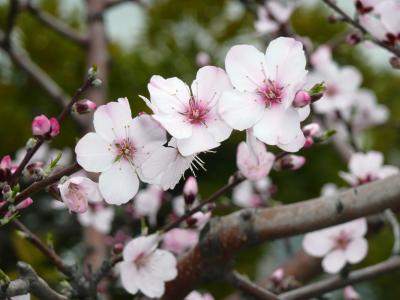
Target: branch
<point x="391" y="217"/>
<point x="29" y="282"/>
<point x="336" y="282"/>
<point x="11" y="17"/>
<point x="346" y="18"/>
<point x="232" y="233"/>
<point x="244" y="284"/>
<point x="57" y="25"/>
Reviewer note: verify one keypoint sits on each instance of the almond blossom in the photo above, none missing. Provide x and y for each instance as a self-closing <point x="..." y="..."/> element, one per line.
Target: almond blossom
<point x="76" y="192"/>
<point x="252" y="158"/>
<point x="179" y="240"/>
<point x="367" y="167"/>
<point x="341" y="83"/>
<point x="252" y="193"/>
<point x="147" y="203"/>
<point x="272" y="16"/>
<point x="338" y="245"/>
<point x="384" y="22"/>
<point x="145" y="268"/>
<point x="197" y="296"/>
<point x="118" y="148"/>
<point x="190" y="115"/>
<point x="265" y="87"/>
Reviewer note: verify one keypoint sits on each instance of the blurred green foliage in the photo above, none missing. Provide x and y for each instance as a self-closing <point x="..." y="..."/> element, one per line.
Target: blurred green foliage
<point x="174" y="32"/>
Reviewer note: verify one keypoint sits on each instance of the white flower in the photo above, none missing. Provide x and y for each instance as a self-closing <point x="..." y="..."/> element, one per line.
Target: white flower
<point x="265" y="87"/>
<point x="342" y="83"/>
<point x="147" y="203"/>
<point x="367" y="167"/>
<point x="77" y="191"/>
<point x="145" y="268"/>
<point x="252" y="158"/>
<point x="272" y="15"/>
<point x="197" y="296"/>
<point x="252" y="194"/>
<point x="118" y="148"/>
<point x="191" y="117"/>
<point x="338" y="245"/>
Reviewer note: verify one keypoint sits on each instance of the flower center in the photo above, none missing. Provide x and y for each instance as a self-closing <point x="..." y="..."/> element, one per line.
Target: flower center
<point x="271" y="93"/>
<point x="366" y="179"/>
<point x="125" y="149"/>
<point x="196" y="113"/>
<point x="342" y="240"/>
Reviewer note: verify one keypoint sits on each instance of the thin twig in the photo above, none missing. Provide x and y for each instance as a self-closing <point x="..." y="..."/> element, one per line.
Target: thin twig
<point x="391" y="217"/>
<point x="337" y="281"/>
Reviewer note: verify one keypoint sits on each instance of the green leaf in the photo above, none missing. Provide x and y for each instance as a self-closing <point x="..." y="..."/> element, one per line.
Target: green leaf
<point x="317" y="89"/>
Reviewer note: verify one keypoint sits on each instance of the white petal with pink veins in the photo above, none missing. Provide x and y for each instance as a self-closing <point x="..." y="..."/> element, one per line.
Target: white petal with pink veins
<point x="110" y="121"/>
<point x="317" y="243"/>
<point x="168" y="95"/>
<point x="209" y="85"/>
<point x="278" y="126"/>
<point x="217" y="127"/>
<point x="150" y="286"/>
<point x="129" y="275"/>
<point x="93" y="153"/>
<point x="357" y="250"/>
<point x="295" y="145"/>
<point x="244" y="65"/>
<point x="162" y="264"/>
<point x="240" y="110"/>
<point x="119" y="183"/>
<point x="334" y="261"/>
<point x="200" y="141"/>
<point x="175" y="124"/>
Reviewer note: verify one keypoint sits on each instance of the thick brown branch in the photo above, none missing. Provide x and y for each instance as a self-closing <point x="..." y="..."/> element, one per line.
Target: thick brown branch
<point x="57" y="25"/>
<point x="336" y="282"/>
<point x="232" y="233"/>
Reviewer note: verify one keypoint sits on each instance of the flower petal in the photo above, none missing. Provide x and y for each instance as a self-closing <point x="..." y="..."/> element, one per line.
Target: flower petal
<point x="200" y="141"/>
<point x="93" y="153"/>
<point x="129" y="275"/>
<point x="334" y="261"/>
<point x="119" y="183"/>
<point x="175" y="124"/>
<point x="317" y="243"/>
<point x="357" y="250"/>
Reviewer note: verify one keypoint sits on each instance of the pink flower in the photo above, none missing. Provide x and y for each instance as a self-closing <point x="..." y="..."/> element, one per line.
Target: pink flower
<point x="338" y="245"/>
<point x="190" y="190"/>
<point x="147" y="203"/>
<point x="83" y="107"/>
<point x="289" y="162"/>
<point x="98" y="217"/>
<point x="118" y="149"/>
<point x="76" y="192"/>
<point x="349" y="293"/>
<point x="265" y="87"/>
<point x="384" y="23"/>
<point x="272" y="15"/>
<point x="166" y="166"/>
<point x="41" y="125"/>
<point x="24" y="204"/>
<point x="342" y="83"/>
<point x="55" y="127"/>
<point x="191" y="118"/>
<point x="252" y="193"/>
<point x="179" y="240"/>
<point x="145" y="268"/>
<point x="197" y="296"/>
<point x="6" y="168"/>
<point x="367" y="167"/>
<point x="252" y="158"/>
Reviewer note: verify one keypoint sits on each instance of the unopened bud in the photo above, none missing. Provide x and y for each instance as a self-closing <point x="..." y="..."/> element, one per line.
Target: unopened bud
<point x="349" y="293"/>
<point x="118" y="248"/>
<point x="309" y="142"/>
<point x="302" y="99"/>
<point x="92" y="72"/>
<point x="24" y="204"/>
<point x="40" y="125"/>
<point x="7" y="192"/>
<point x="290" y="162"/>
<point x="96" y="82"/>
<point x="190" y="190"/>
<point x="35" y="170"/>
<point x="2" y="203"/>
<point x="83" y="107"/>
<point x="31" y="143"/>
<point x="277" y="276"/>
<point x="312" y="129"/>
<point x="353" y="39"/>
<point x="55" y="127"/>
<point x="395" y="62"/>
<point x="191" y="222"/>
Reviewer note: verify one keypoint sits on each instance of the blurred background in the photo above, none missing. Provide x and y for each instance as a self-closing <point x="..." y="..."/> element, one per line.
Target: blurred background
<point x="164" y="37"/>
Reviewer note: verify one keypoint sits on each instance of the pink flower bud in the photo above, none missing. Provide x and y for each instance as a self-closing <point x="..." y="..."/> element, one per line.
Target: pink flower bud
<point x="302" y="99"/>
<point x="5" y="168"/>
<point x="24" y="204"/>
<point x="190" y="190"/>
<point x="349" y="293"/>
<point x="290" y="162"/>
<point x="40" y="125"/>
<point x="202" y="59"/>
<point x="311" y="129"/>
<point x="2" y="203"/>
<point x="83" y="107"/>
<point x="5" y="162"/>
<point x="353" y="39"/>
<point x="118" y="248"/>
<point x="309" y="142"/>
<point x="277" y="276"/>
<point x="55" y="127"/>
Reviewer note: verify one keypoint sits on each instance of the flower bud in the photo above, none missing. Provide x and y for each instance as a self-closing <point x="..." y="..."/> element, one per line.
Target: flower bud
<point x="24" y="203"/>
<point x="290" y="162"/>
<point x="190" y="190"/>
<point x="40" y="125"/>
<point x="55" y="127"/>
<point x="302" y="99"/>
<point x="2" y="203"/>
<point x="118" y="248"/>
<point x="202" y="59"/>
<point x="5" y="168"/>
<point x="83" y="107"/>
<point x="31" y="143"/>
<point x="277" y="276"/>
<point x="349" y="293"/>
<point x="97" y="82"/>
<point x="7" y="192"/>
<point x="312" y="129"/>
<point x="353" y="39"/>
<point x="35" y="170"/>
<point x="92" y="72"/>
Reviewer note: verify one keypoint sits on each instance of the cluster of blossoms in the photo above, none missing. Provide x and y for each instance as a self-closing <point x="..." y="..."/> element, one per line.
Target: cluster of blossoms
<point x="273" y="15"/>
